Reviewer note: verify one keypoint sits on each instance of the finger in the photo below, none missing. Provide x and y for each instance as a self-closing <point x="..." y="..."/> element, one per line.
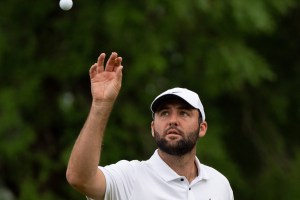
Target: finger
<point x="100" y="63"/>
<point x="93" y="70"/>
<point x="119" y="73"/>
<point x="118" y="62"/>
<point x="111" y="62"/>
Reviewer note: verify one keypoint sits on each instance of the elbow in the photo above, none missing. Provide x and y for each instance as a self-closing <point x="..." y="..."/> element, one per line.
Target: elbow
<point x="70" y="176"/>
<point x="73" y="179"/>
<point x="86" y="184"/>
<point x="77" y="180"/>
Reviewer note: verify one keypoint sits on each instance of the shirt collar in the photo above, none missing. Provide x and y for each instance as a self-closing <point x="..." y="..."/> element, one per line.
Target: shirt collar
<point x="168" y="174"/>
<point x="202" y="172"/>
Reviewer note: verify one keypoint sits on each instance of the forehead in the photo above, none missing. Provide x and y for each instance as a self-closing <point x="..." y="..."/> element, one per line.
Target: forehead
<point x="174" y="101"/>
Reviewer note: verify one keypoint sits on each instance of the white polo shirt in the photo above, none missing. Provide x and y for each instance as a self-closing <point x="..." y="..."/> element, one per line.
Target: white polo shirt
<point x="155" y="180"/>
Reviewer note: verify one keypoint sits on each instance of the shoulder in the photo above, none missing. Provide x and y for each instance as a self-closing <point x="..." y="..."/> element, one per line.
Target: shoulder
<point x="123" y="166"/>
<point x="214" y="174"/>
<point x="217" y="181"/>
<point x="126" y="163"/>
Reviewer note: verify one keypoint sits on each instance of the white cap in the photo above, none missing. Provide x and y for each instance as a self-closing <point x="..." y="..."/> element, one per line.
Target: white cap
<point x="189" y="96"/>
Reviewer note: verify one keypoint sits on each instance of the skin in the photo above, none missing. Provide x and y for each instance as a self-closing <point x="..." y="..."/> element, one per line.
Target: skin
<point x="82" y="171"/>
<point x="106" y="79"/>
<point x="175" y="113"/>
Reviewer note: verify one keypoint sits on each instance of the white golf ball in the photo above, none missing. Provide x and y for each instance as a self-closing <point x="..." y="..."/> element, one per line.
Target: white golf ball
<point x="65" y="4"/>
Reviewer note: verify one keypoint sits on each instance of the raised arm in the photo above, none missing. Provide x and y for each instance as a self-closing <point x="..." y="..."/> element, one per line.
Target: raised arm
<point x="82" y="172"/>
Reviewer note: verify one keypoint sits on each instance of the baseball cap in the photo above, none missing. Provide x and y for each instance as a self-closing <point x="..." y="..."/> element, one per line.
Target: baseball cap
<point x="189" y="96"/>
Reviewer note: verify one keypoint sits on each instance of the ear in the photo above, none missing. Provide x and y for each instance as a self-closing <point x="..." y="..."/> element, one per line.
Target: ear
<point x="203" y="129"/>
<point x="152" y="128"/>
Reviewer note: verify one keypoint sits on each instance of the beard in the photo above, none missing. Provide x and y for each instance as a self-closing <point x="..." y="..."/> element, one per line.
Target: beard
<point x="180" y="147"/>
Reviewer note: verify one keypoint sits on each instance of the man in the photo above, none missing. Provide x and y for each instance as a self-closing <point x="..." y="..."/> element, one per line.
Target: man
<point x="172" y="173"/>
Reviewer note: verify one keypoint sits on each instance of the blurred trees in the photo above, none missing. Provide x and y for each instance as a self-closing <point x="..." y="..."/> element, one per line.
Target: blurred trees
<point x="241" y="57"/>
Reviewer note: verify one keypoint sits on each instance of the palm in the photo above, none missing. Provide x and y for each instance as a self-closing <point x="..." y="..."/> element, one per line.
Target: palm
<point x="105" y="86"/>
<point x="106" y="83"/>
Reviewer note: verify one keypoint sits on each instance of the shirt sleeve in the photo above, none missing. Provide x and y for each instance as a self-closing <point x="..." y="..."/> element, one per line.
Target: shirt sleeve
<point x="120" y="178"/>
<point x="231" y="193"/>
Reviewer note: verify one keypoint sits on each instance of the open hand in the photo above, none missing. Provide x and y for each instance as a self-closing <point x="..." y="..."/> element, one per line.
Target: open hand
<point x="106" y="81"/>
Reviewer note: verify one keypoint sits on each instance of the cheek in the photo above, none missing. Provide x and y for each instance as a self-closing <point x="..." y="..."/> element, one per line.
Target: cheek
<point x="194" y="126"/>
<point x="157" y="127"/>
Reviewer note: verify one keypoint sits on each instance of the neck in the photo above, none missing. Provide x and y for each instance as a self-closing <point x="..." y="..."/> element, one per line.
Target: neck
<point x="183" y="165"/>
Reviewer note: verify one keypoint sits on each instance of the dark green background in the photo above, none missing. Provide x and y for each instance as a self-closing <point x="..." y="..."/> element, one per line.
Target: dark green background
<point x="242" y="57"/>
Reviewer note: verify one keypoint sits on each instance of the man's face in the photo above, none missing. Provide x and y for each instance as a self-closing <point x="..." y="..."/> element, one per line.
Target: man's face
<point x="175" y="127"/>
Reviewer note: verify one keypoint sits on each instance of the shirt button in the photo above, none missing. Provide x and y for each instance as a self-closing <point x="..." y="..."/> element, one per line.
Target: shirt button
<point x="190" y="188"/>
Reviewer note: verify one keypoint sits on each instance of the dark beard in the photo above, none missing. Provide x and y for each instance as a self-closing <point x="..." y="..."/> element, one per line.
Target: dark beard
<point x="182" y="147"/>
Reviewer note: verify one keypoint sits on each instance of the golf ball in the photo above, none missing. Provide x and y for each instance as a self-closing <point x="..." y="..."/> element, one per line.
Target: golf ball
<point x="65" y="4"/>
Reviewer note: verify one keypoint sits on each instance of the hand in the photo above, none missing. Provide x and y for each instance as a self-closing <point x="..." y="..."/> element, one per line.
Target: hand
<point x="106" y="82"/>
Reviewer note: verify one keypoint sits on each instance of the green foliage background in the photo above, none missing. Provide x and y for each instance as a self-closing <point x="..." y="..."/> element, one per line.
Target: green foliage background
<point x="242" y="57"/>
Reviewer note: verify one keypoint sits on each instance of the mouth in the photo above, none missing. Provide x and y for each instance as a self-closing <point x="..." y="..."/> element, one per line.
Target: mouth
<point x="173" y="132"/>
<point x="173" y="137"/>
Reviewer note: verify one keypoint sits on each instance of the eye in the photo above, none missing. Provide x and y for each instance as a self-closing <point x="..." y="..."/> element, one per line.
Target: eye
<point x="184" y="113"/>
<point x="164" y="113"/>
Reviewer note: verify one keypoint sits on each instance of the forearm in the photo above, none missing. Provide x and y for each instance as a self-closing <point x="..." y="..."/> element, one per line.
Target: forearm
<point x="86" y="152"/>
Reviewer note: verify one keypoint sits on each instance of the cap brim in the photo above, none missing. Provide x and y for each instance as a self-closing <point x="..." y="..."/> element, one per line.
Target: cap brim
<point x="160" y="100"/>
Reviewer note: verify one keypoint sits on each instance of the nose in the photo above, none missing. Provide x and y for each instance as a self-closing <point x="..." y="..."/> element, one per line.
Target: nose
<point x="173" y="121"/>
